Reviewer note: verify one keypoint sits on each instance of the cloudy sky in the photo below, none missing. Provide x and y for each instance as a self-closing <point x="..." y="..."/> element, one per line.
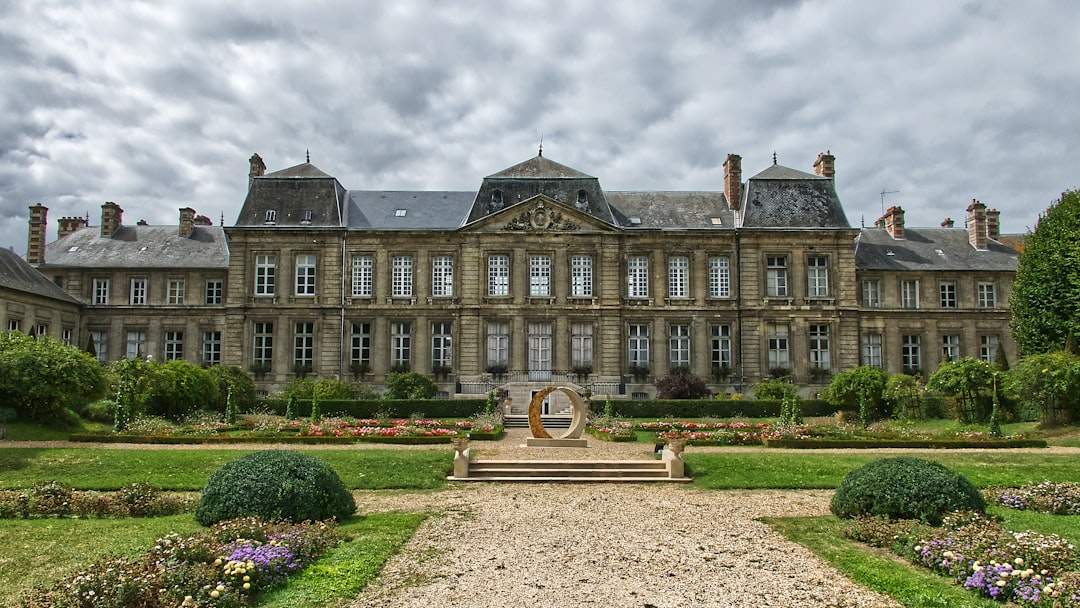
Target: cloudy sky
<point x="158" y="105"/>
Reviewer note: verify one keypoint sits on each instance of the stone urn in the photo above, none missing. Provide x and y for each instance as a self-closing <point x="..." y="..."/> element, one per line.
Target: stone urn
<point x="460" y="444"/>
<point x="676" y="446"/>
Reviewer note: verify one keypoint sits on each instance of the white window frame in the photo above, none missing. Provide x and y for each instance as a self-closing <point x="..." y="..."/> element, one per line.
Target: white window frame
<point x="215" y="291"/>
<point x="442" y="276"/>
<point x="987" y="294"/>
<point x="778" y="346"/>
<point x="678" y="345"/>
<point x="820" y="357"/>
<point x="719" y="277"/>
<point x="305" y="274"/>
<point x="135" y="344"/>
<point x="950" y="347"/>
<point x="637" y="347"/>
<point x="776" y="285"/>
<point x="498" y="275"/>
<point x="947" y="294"/>
<point x="265" y="274"/>
<point x="817" y="276"/>
<point x="720" y="346"/>
<point x="441" y="344"/>
<point x="678" y="276"/>
<point x="360" y="343"/>
<point x="988" y="345"/>
<point x="909" y="293"/>
<point x="581" y="276"/>
<point x="101" y="345"/>
<point x="401" y="343"/>
<point x="539" y="275"/>
<point x="871" y="350"/>
<point x="363" y="268"/>
<point x="211" y="347"/>
<point x="101" y="291"/>
<point x="174" y="345"/>
<point x="498" y="343"/>
<point x="539" y="351"/>
<point x="871" y="293"/>
<point x="174" y="293"/>
<point x="402" y="277"/>
<point x="138" y="292"/>
<point x="303" y="344"/>
<point x="637" y="277"/>
<point x="581" y="344"/>
<point x="911" y="352"/>
<point x="262" y="351"/>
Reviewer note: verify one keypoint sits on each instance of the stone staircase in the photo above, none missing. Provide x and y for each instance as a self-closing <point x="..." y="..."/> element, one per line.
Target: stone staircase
<point x="553" y="421"/>
<point x="570" y="471"/>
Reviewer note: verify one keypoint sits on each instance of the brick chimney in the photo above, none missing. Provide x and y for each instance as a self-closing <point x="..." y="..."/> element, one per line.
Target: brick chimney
<point x="894" y="222"/>
<point x="993" y="225"/>
<point x="257" y="169"/>
<point x="187" y="221"/>
<point x="976" y="224"/>
<point x="111" y="218"/>
<point x="35" y="241"/>
<point x="69" y="225"/>
<point x="733" y="180"/>
<point x="825" y="165"/>
<point x="947" y="222"/>
<point x="202" y="220"/>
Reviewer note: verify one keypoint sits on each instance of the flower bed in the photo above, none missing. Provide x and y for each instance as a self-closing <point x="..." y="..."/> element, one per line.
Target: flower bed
<point x="708" y="433"/>
<point x="870" y="442"/>
<point x="1045" y="497"/>
<point x="53" y="499"/>
<point x="621" y="434"/>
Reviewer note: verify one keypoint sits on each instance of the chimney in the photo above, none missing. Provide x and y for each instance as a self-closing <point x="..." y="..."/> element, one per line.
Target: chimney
<point x="947" y="222"/>
<point x="69" y="225"/>
<point x="976" y="224"/>
<point x="894" y="222"/>
<point x="187" y="221"/>
<point x="825" y="165"/>
<point x="993" y="226"/>
<point x="111" y="218"/>
<point x="35" y="242"/>
<point x="202" y="220"/>
<point x="733" y="180"/>
<point x="257" y="169"/>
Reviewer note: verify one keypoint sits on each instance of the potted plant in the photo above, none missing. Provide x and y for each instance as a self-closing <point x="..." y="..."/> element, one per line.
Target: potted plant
<point x="582" y="371"/>
<point x="359" y="368"/>
<point x="497" y="371"/>
<point x="302" y="369"/>
<point x="440" y="371"/>
<point x="260" y="369"/>
<point x="399" y="368"/>
<point x="721" y="373"/>
<point x="639" y="372"/>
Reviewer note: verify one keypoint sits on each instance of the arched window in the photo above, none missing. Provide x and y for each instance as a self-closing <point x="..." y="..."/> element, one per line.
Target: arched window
<point x="271" y="216"/>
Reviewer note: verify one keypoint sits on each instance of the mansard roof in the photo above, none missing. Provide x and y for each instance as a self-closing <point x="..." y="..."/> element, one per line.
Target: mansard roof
<point x="140" y="247"/>
<point x="539" y="168"/>
<point x="404" y="210"/>
<point x="537" y="176"/>
<point x="302" y="195"/>
<point x="673" y="210"/>
<point x="781" y="197"/>
<point x="929" y="249"/>
<point x="18" y="275"/>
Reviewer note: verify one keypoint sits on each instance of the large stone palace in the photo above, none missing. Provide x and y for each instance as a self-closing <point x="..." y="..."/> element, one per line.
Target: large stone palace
<point x="538" y="276"/>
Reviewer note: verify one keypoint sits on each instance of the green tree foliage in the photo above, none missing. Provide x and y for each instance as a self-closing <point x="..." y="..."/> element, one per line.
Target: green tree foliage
<point x="290" y="408"/>
<point x="329" y="389"/>
<point x="1045" y="302"/>
<point x="966" y="379"/>
<point x="849" y="389"/>
<point x="409" y="385"/>
<point x="773" y="388"/>
<point x="230" y="407"/>
<point x="232" y="377"/>
<point x="903" y="396"/>
<point x="1048" y="383"/>
<point x="679" y="383"/>
<point x="301" y="386"/>
<point x="41" y="377"/>
<point x="172" y="389"/>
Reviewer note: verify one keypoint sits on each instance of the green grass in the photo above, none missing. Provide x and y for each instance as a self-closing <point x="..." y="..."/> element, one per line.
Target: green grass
<point x="188" y="470"/>
<point x="1065" y="526"/>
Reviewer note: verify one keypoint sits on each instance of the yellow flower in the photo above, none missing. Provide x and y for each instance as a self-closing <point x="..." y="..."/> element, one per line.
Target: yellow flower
<point x="247" y="578"/>
<point x="247" y="585"/>
<point x="214" y="594"/>
<point x="220" y="588"/>
<point x="1019" y="561"/>
<point x="1000" y="583"/>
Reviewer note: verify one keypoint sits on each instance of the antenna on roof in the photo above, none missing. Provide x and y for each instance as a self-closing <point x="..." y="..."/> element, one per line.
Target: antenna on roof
<point x="307" y="152"/>
<point x="541" y="145"/>
<point x="774" y="158"/>
<point x="883" y="193"/>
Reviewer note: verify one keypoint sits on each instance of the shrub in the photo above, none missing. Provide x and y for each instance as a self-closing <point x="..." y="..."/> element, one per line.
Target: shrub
<point x="274" y="484"/>
<point x="905" y="488"/>
<point x="328" y="388"/>
<point x="774" y="388"/>
<point x="102" y="410"/>
<point x="40" y="377"/>
<point x="409" y="385"/>
<point x="230" y="376"/>
<point x="681" y="384"/>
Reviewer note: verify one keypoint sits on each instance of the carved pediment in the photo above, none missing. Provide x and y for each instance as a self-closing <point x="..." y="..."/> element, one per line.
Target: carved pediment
<point x="539" y="218"/>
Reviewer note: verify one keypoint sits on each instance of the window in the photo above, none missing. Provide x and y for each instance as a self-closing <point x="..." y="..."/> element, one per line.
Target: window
<point x="442" y="276"/>
<point x="779" y="358"/>
<point x="817" y="277"/>
<point x="948" y="294"/>
<point x="637" y="278"/>
<point x="401" y="344"/>
<point x="101" y="291"/>
<point x="211" y="347"/>
<point x="174" y="345"/>
<point x="776" y="277"/>
<point x="307" y="215"/>
<point x="215" y="289"/>
<point x="41" y="330"/>
<point x="498" y="344"/>
<point x="265" y="267"/>
<point x="679" y="346"/>
<point x="263" y="348"/>
<point x="135" y="347"/>
<point x="871" y="350"/>
<point x="581" y="276"/>
<point x="175" y="291"/>
<point x="721" y="347"/>
<point x="988" y="346"/>
<point x="138" y="292"/>
<point x="909" y="294"/>
<point x="362" y="267"/>
<point x="678" y="277"/>
<point x="401" y="281"/>
<point x="14" y="325"/>
<point x="65" y="335"/>
<point x="719" y="278"/>
<point x="441" y="350"/>
<point x="819" y="347"/>
<point x="498" y="275"/>
<point x="303" y="346"/>
<point x="270" y="217"/>
<point x="581" y="344"/>
<point x="638" y="346"/>
<point x="101" y="345"/>
<point x="539" y="275"/>
<point x="360" y="346"/>
<point x="987" y="295"/>
<point x="911" y="354"/>
<point x="950" y="347"/>
<point x="305" y="274"/>
<point x="871" y="293"/>
<point x="539" y="351"/>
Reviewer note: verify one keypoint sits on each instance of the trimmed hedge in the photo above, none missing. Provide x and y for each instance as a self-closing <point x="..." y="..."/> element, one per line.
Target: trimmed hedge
<point x="714" y="408"/>
<point x="369" y="408"/>
<point x="905" y="488"/>
<point x="287" y="439"/>
<point x="902" y="443"/>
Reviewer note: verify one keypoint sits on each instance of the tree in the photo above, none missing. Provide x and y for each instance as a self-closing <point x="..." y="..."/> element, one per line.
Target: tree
<point x="861" y="386"/>
<point x="1048" y="383"/>
<point x="409" y="385"/>
<point x="773" y="388"/>
<point x="230" y="377"/>
<point x="679" y="383"/>
<point x="177" y="388"/>
<point x="1045" y="303"/>
<point x="966" y="379"/>
<point x="41" y="377"/>
<point x="904" y="393"/>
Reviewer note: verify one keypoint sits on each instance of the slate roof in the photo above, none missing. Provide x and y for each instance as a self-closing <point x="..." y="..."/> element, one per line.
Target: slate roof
<point x="537" y="176"/>
<point x="294" y="194"/>
<point x="781" y="197"/>
<point x="928" y="249"/>
<point x="424" y="210"/>
<point x="671" y="210"/>
<point x="140" y="247"/>
<point x="18" y="275"/>
<point x="539" y="168"/>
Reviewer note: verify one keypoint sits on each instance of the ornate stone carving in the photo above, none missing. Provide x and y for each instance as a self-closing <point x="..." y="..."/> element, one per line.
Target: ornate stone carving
<point x="541" y="218"/>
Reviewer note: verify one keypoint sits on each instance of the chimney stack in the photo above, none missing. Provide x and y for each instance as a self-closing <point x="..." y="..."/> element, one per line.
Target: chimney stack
<point x="202" y="220"/>
<point x="894" y="222"/>
<point x="825" y="165"/>
<point x="187" y="221"/>
<point x="35" y="242"/>
<point x="976" y="224"/>
<point x="947" y="222"/>
<point x="69" y="225"/>
<point x="257" y="169"/>
<point x="993" y="226"/>
<point x="733" y="180"/>
<point x="111" y="218"/>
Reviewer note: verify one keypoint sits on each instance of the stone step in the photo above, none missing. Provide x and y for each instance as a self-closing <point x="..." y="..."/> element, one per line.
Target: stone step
<point x="575" y="479"/>
<point x="570" y="471"/>
<point x="535" y="465"/>
<point x="518" y="421"/>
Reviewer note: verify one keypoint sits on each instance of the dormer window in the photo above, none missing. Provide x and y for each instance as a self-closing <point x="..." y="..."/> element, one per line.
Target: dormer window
<point x="399" y="213"/>
<point x="306" y="215"/>
<point x="582" y="200"/>
<point x="271" y="216"/>
<point x="717" y="221"/>
<point x="496" y="201"/>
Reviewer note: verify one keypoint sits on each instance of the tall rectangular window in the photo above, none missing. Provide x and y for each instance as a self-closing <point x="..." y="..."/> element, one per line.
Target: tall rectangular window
<point x="871" y="293"/>
<point x="101" y="291"/>
<point x="211" y="347"/>
<point x="303" y="345"/>
<point x="637" y="277"/>
<point x="819" y="347"/>
<point x="776" y="277"/>
<point x="988" y="346"/>
<point x="950" y="347"/>
<point x="174" y="345"/>
<point x="719" y="278"/>
<point x="817" y="277"/>
<point x="498" y="344"/>
<point x="401" y="344"/>
<point x="135" y="347"/>
<point x="678" y="277"/>
<point x="720" y="346"/>
<point x="442" y="276"/>
<point x="679" y="346"/>
<point x="41" y="330"/>
<point x="498" y="275"/>
<point x="947" y="294"/>
<point x="360" y="345"/>
<point x="14" y="325"/>
<point x="539" y="351"/>
<point x="909" y="294"/>
<point x="401" y="283"/>
<point x="638" y="345"/>
<point x="175" y="291"/>
<point x="65" y="335"/>
<point x="138" y="291"/>
<point x="539" y="275"/>
<point x="214" y="291"/>
<point x="263" y="347"/>
<point x="779" y="356"/>
<point x="581" y="344"/>
<point x="101" y="345"/>
<point x="441" y="346"/>
<point x="871" y="350"/>
<point x="987" y="295"/>
<point x="911" y="354"/>
<point x="581" y="276"/>
<point x="362" y="275"/>
<point x="305" y="274"/>
<point x="265" y="270"/>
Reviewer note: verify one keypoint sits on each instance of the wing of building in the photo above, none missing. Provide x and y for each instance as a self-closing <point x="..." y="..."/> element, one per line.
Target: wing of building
<point x="538" y="276"/>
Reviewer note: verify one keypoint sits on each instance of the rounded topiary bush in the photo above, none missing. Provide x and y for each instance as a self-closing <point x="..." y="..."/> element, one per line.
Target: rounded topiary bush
<point x="274" y="484"/>
<point x="905" y="488"/>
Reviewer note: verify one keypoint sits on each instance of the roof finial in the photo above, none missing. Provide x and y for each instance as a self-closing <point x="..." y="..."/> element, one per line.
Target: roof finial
<point x="541" y="145"/>
<point x="774" y="158"/>
<point x="222" y="223"/>
<point x="307" y="152"/>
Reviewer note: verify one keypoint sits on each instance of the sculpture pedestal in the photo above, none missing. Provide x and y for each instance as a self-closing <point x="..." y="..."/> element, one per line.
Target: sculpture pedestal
<point x="545" y="442"/>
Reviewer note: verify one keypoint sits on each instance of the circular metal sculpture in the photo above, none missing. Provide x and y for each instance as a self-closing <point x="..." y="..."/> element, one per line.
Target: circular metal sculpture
<point x="536" y="423"/>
